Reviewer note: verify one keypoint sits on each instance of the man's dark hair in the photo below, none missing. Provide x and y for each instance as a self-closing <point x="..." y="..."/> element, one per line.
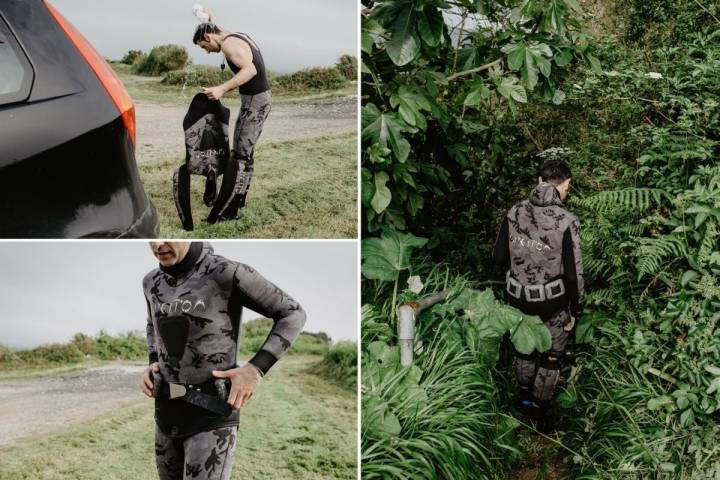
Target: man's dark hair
<point x="554" y="171"/>
<point x="204" y="28"/>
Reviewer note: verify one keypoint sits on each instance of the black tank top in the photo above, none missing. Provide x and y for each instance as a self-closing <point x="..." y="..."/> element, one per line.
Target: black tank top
<point x="259" y="83"/>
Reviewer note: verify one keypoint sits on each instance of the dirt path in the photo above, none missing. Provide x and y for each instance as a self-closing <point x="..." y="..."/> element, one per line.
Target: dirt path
<point x="33" y="406"/>
<point x="160" y="134"/>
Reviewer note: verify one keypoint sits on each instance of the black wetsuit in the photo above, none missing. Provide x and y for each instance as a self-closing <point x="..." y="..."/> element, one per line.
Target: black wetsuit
<point x="539" y="248"/>
<point x="194" y="316"/>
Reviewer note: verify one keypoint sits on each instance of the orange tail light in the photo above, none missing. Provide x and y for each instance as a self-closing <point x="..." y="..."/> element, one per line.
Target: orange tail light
<point x="103" y="71"/>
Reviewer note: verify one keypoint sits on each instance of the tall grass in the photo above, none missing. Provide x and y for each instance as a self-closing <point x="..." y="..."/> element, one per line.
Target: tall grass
<point x="449" y="414"/>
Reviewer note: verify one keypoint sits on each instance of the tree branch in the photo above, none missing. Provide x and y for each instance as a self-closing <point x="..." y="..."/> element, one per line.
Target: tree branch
<point x="476" y="69"/>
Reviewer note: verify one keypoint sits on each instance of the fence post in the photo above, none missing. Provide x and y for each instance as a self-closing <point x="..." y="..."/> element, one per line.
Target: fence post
<point x="406" y="314"/>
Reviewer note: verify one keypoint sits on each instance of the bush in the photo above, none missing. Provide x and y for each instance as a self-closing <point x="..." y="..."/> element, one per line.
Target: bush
<point x="132" y="56"/>
<point x="254" y="333"/>
<point x="347" y="66"/>
<point x="309" y="79"/>
<point x="339" y="365"/>
<point x="161" y="59"/>
<point x="197" y="76"/>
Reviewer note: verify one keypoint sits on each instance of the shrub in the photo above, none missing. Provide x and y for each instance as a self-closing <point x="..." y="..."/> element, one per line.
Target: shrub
<point x="131" y="56"/>
<point x="161" y="59"/>
<point x="197" y="76"/>
<point x="309" y="79"/>
<point x="339" y="365"/>
<point x="347" y="66"/>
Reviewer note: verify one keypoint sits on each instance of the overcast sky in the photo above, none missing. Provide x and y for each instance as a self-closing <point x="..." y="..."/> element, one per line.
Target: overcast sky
<point x="51" y="290"/>
<point x="291" y="34"/>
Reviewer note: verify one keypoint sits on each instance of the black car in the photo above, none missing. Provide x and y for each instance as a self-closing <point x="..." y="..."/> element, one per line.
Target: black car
<point x="67" y="134"/>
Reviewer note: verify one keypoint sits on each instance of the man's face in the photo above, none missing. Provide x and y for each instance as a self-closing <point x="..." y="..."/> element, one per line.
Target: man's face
<point x="209" y="44"/>
<point x="169" y="253"/>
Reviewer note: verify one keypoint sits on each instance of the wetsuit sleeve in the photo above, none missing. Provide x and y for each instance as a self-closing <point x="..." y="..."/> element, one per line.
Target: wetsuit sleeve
<point x="265" y="298"/>
<point x="572" y="266"/>
<point x="501" y="254"/>
<point x="150" y="335"/>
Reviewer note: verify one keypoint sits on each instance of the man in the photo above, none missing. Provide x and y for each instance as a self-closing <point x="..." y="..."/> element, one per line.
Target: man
<point x="539" y="248"/>
<point x="246" y="62"/>
<point x="195" y="300"/>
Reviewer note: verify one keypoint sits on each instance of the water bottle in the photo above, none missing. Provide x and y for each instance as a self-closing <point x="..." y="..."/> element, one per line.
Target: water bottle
<point x="200" y="13"/>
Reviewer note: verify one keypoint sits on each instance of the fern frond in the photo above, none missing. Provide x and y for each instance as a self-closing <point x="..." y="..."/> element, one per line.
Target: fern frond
<point x="651" y="251"/>
<point x="603" y="296"/>
<point x="635" y="199"/>
<point x="709" y="243"/>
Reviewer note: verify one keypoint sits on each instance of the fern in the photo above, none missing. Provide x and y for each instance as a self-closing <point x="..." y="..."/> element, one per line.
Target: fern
<point x="602" y="296"/>
<point x="651" y="252"/>
<point x="709" y="243"/>
<point x="635" y="199"/>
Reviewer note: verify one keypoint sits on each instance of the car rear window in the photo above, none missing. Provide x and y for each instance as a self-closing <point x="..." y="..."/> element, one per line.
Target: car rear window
<point x="17" y="74"/>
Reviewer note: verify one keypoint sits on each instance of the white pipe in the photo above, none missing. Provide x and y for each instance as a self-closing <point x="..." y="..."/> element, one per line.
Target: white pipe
<point x="407" y="314"/>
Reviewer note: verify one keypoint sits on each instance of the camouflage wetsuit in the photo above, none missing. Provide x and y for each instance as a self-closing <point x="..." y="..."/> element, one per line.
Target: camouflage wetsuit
<point x="201" y="299"/>
<point x="539" y="243"/>
<point x="256" y="100"/>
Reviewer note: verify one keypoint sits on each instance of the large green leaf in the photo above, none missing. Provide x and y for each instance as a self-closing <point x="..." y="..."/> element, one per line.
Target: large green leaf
<point x="509" y="88"/>
<point x="386" y="256"/>
<point x="382" y="197"/>
<point x="530" y="334"/>
<point x="410" y="105"/>
<point x="430" y="26"/>
<point x="385" y="129"/>
<point x="378" y="421"/>
<point x="404" y="45"/>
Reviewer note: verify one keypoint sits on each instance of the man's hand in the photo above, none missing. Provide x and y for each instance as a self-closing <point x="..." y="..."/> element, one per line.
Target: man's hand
<point x="214" y="93"/>
<point x="147" y="383"/>
<point x="244" y="382"/>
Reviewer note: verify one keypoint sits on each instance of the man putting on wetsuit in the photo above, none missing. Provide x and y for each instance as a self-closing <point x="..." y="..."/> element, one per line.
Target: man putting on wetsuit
<point x="195" y="301"/>
<point x="246" y="62"/>
<point x="539" y="248"/>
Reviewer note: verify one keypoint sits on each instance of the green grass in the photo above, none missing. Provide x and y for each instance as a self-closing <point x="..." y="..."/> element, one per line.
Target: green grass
<point x="297" y="426"/>
<point x="149" y="89"/>
<point x="301" y="189"/>
<point x="339" y="365"/>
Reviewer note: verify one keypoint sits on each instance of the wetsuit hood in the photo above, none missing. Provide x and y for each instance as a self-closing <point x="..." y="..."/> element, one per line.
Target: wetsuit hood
<point x="545" y="194"/>
<point x="195" y="254"/>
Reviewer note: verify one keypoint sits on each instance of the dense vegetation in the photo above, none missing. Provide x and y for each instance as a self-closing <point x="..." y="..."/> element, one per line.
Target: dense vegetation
<point x="339" y="365"/>
<point x="161" y="59"/>
<point x="132" y="346"/>
<point x="639" y="123"/>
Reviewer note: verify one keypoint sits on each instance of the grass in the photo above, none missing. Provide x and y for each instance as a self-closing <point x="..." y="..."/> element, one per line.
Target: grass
<point x="301" y="189"/>
<point x="149" y="89"/>
<point x="298" y="426"/>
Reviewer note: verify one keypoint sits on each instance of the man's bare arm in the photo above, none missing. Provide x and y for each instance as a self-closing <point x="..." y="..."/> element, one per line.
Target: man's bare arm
<point x="233" y="50"/>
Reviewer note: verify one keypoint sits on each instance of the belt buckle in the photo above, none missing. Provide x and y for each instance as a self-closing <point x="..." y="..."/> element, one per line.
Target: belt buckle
<point x="513" y="287"/>
<point x="177" y="390"/>
<point x="534" y="293"/>
<point x="554" y="284"/>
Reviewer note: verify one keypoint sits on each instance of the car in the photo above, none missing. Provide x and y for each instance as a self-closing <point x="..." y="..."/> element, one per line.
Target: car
<point x="67" y="134"/>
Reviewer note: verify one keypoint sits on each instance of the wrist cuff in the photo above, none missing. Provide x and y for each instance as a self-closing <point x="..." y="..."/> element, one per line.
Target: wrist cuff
<point x="263" y="360"/>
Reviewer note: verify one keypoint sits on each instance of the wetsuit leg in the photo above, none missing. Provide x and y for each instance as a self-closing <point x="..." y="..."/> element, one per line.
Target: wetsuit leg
<point x="253" y="113"/>
<point x="210" y="189"/>
<point x="169" y="456"/>
<point x="525" y="369"/>
<point x="550" y="362"/>
<point x="181" y="193"/>
<point x="210" y="455"/>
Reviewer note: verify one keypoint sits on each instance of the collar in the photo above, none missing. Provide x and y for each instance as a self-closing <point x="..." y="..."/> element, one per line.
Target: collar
<point x="184" y="265"/>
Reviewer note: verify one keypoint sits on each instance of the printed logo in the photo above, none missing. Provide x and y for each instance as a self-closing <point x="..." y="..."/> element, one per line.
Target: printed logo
<point x="177" y="306"/>
<point x="528" y="243"/>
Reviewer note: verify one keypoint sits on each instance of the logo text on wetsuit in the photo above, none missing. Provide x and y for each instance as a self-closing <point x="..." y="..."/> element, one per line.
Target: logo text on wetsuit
<point x="529" y="243"/>
<point x="176" y="306"/>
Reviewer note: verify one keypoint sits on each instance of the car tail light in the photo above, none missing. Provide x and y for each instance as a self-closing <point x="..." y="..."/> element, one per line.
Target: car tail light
<point x="104" y="72"/>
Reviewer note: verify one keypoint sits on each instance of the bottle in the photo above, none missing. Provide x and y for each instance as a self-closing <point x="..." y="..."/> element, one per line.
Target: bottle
<point x="200" y="13"/>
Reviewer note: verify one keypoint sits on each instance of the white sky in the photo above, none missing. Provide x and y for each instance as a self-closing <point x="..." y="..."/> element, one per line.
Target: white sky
<point x="51" y="290"/>
<point x="291" y="34"/>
